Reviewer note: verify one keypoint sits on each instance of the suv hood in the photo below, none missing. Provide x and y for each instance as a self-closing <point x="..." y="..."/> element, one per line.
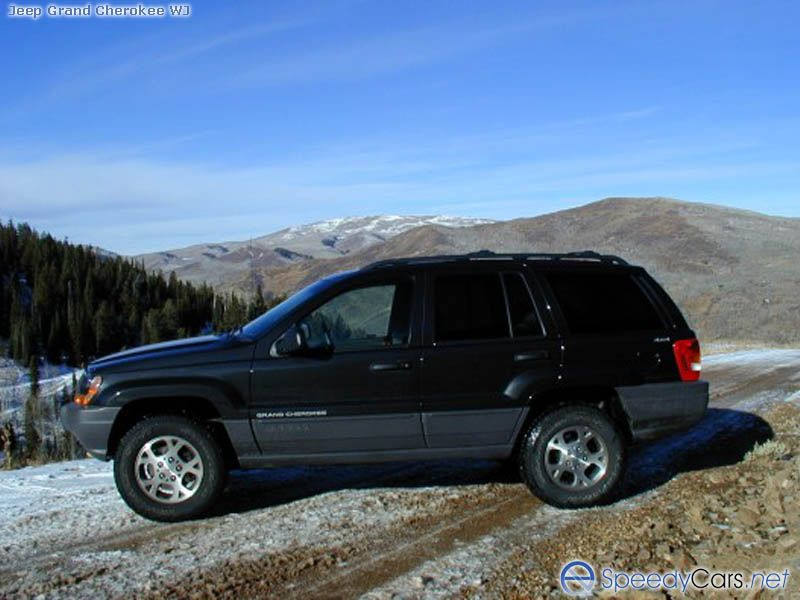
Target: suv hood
<point x="161" y="350"/>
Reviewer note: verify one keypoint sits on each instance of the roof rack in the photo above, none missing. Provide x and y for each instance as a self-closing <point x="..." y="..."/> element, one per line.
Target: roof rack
<point x="583" y="255"/>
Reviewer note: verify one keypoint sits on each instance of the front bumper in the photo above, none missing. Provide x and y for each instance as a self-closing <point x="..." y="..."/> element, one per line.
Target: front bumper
<point x="655" y="410"/>
<point x="91" y="425"/>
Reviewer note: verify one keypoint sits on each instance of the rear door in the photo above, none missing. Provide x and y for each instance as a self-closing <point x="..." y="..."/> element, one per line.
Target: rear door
<point x="615" y="332"/>
<point x="485" y="346"/>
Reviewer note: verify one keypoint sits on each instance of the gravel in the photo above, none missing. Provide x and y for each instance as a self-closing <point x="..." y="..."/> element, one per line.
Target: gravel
<point x="426" y="530"/>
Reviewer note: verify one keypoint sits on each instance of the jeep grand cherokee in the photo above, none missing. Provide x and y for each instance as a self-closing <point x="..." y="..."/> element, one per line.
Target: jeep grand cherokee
<point x="555" y="361"/>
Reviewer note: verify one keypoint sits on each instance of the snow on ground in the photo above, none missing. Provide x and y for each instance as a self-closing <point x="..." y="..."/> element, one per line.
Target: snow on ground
<point x="12" y="397"/>
<point x="472" y="563"/>
<point x="70" y="516"/>
<point x="33" y="490"/>
<point x="42" y="505"/>
<point x="12" y="373"/>
<point x="754" y="356"/>
<point x="65" y="531"/>
<point x="15" y="386"/>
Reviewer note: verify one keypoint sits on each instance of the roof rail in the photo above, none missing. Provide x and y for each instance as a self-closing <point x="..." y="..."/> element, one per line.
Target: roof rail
<point x="589" y="255"/>
<point x="583" y="255"/>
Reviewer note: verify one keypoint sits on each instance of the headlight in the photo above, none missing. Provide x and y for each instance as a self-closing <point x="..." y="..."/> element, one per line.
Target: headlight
<point x="91" y="391"/>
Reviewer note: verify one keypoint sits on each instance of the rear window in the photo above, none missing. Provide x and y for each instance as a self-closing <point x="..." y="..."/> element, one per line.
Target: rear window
<point x="469" y="306"/>
<point x="603" y="302"/>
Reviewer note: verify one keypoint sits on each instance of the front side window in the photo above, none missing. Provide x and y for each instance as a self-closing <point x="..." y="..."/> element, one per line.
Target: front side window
<point x="596" y="303"/>
<point x="362" y="319"/>
<point x="469" y="306"/>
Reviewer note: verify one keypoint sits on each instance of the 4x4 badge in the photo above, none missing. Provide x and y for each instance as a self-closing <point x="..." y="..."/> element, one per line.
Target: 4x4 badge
<point x="661" y="339"/>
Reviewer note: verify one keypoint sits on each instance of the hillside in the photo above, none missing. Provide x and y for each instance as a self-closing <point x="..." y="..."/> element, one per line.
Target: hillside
<point x="735" y="273"/>
<point x="70" y="303"/>
<point x="220" y="263"/>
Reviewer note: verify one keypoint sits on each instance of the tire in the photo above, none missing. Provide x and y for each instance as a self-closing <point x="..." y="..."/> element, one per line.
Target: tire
<point x="169" y="468"/>
<point x="572" y="457"/>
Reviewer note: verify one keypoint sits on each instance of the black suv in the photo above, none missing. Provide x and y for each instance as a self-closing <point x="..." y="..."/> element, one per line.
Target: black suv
<point x="557" y="361"/>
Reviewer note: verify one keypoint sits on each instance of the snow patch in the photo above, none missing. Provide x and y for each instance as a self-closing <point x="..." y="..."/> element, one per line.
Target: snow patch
<point x="384" y="226"/>
<point x="760" y="356"/>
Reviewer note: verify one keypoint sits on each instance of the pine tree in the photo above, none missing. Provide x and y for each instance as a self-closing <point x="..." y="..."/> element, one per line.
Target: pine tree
<point x="8" y="443"/>
<point x="104" y="329"/>
<point x="56" y="340"/>
<point x="169" y="320"/>
<point x="257" y="306"/>
<point x="52" y="297"/>
<point x="33" y="372"/>
<point x="66" y="446"/>
<point x="33" y="440"/>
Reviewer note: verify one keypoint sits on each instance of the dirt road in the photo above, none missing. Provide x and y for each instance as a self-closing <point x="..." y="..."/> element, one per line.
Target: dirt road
<point x="413" y="530"/>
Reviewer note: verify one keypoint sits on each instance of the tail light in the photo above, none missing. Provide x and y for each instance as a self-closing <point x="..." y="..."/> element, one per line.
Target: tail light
<point x="687" y="357"/>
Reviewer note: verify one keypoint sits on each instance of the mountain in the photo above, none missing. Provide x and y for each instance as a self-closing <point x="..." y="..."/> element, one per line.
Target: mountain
<point x="735" y="273"/>
<point x="224" y="264"/>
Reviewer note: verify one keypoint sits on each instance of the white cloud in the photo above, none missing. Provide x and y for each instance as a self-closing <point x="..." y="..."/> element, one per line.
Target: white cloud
<point x="131" y="204"/>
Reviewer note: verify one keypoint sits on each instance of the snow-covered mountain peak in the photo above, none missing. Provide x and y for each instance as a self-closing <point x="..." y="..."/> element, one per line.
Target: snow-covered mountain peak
<point x="382" y="226"/>
<point x="217" y="263"/>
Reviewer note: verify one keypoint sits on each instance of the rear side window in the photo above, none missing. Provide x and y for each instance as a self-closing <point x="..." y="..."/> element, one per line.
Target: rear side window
<point x="469" y="306"/>
<point x="603" y="302"/>
<point x="521" y="310"/>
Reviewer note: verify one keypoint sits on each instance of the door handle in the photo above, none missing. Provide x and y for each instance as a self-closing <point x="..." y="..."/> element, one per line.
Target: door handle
<point x="402" y="365"/>
<point x="535" y="355"/>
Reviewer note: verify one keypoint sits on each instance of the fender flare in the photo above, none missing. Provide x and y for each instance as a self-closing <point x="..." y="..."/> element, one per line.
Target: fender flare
<point x="225" y="400"/>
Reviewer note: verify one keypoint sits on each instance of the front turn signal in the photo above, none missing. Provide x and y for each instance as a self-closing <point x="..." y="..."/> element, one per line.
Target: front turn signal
<point x="94" y="387"/>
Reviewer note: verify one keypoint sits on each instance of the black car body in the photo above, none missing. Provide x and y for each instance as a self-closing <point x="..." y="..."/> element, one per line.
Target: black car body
<point x="453" y="356"/>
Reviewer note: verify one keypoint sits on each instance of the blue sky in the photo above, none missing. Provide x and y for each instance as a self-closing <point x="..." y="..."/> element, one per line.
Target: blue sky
<point x="141" y="135"/>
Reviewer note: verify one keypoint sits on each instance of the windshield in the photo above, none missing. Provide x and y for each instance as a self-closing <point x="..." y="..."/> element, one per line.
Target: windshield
<point x="261" y="325"/>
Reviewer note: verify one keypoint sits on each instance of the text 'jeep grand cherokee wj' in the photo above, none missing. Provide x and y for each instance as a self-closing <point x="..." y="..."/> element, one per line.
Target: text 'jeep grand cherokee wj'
<point x="557" y="361"/>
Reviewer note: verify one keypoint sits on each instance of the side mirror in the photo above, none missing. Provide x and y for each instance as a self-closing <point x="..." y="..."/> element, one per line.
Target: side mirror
<point x="293" y="341"/>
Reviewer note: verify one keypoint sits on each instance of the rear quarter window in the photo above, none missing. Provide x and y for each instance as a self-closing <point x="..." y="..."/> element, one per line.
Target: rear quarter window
<point x="603" y="302"/>
<point x="521" y="309"/>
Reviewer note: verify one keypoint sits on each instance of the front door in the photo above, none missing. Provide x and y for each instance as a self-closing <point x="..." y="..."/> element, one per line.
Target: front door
<point x="363" y="394"/>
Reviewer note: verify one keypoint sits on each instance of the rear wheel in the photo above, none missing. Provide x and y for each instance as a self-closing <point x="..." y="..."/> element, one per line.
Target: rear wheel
<point x="572" y="457"/>
<point x="169" y="468"/>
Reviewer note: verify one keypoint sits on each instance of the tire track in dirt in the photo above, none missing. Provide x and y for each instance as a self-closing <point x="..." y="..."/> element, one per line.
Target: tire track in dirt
<point x="399" y="557"/>
<point x="404" y="555"/>
<point x="726" y="395"/>
<point x="60" y="572"/>
<point x="366" y="558"/>
<point x="377" y="556"/>
<point x="731" y="381"/>
<point x="146" y="533"/>
<point x="686" y="452"/>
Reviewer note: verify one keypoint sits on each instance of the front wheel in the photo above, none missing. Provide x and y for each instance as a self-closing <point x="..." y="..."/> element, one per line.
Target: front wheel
<point x="572" y="457"/>
<point x="169" y="468"/>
